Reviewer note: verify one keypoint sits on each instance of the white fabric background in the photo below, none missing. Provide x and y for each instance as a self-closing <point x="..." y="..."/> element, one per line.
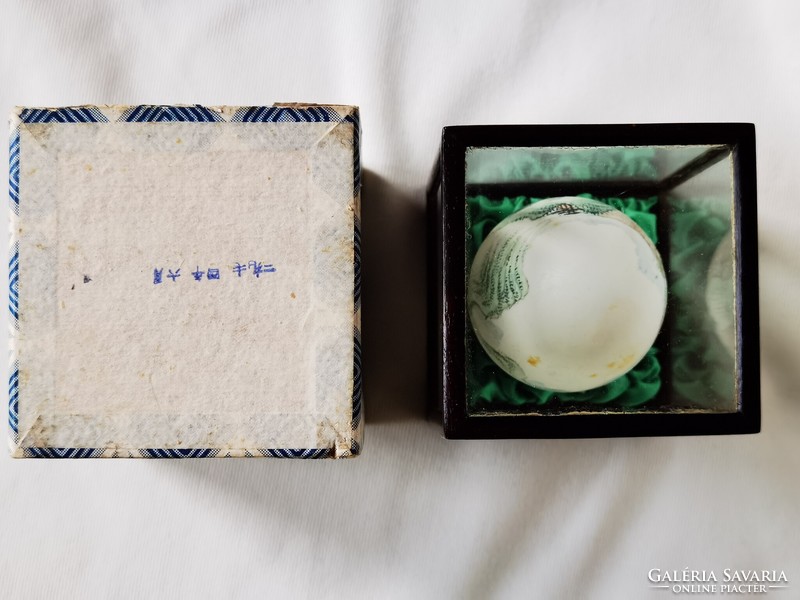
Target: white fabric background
<point x="417" y="516"/>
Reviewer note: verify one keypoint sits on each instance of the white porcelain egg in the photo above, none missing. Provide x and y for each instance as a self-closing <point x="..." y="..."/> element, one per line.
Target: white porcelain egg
<point x="567" y="294"/>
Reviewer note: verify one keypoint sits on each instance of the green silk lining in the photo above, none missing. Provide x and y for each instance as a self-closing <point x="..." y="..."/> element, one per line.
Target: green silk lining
<point x="702" y="370"/>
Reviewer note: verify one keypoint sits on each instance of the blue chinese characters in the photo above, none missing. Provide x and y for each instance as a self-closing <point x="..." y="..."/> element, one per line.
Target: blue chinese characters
<point x="257" y="268"/>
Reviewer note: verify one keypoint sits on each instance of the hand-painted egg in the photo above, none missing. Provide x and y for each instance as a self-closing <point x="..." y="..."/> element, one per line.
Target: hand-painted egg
<point x="567" y="294"/>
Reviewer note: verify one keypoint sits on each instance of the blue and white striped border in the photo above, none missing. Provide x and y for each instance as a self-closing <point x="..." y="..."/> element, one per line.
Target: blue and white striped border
<point x="357" y="390"/>
<point x="178" y="452"/>
<point x="150" y="113"/>
<point x="62" y="452"/>
<point x="287" y="114"/>
<point x="13" y="401"/>
<point x="70" y="114"/>
<point x="355" y="120"/>
<point x="147" y="113"/>
<point x="289" y="453"/>
<point x="13" y="284"/>
<point x="13" y="170"/>
<point x="356" y="263"/>
<point x="13" y="278"/>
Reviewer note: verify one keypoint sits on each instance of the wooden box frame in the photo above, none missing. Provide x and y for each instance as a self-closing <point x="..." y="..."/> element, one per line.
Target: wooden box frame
<point x="446" y="280"/>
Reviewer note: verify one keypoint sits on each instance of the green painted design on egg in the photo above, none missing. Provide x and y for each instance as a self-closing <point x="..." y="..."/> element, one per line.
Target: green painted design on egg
<point x="546" y="209"/>
<point x="509" y="365"/>
<point x="501" y="283"/>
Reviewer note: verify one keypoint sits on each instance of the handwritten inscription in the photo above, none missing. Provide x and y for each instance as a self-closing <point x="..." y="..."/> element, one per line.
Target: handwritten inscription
<point x="254" y="267"/>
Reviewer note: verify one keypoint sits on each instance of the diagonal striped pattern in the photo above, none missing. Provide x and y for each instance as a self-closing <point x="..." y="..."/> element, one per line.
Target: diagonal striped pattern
<point x="357" y="389"/>
<point x="13" y="400"/>
<point x="296" y="453"/>
<point x="150" y="113"/>
<point x="179" y="452"/>
<point x="356" y="263"/>
<point x="62" y="452"/>
<point x="282" y="114"/>
<point x="355" y="119"/>
<point x="355" y="448"/>
<point x="13" y="171"/>
<point x="247" y="454"/>
<point x="13" y="284"/>
<point x="77" y="114"/>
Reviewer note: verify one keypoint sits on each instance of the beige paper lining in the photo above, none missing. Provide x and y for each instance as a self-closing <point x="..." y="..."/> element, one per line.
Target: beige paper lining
<point x="236" y="363"/>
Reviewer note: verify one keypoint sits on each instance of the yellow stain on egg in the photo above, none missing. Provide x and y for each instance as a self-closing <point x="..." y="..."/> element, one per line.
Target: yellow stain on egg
<point x="534" y="360"/>
<point x="624" y="363"/>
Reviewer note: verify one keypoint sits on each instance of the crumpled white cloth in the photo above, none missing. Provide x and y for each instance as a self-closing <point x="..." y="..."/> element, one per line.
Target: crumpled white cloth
<point x="418" y="516"/>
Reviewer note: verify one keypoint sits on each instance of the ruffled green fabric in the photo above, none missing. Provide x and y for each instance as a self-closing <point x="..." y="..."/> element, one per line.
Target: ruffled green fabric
<point x="595" y="164"/>
<point x="702" y="370"/>
<point x="489" y="388"/>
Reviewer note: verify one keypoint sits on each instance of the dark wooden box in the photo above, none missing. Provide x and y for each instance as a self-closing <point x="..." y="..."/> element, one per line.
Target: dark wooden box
<point x="692" y="164"/>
